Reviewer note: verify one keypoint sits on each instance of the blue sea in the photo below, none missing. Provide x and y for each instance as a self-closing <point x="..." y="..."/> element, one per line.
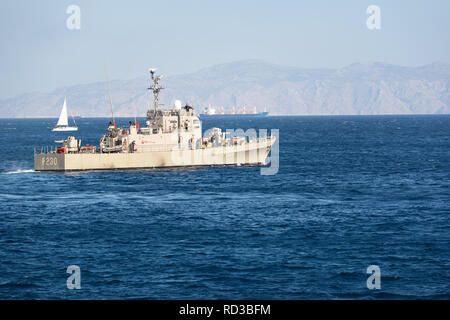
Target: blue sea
<point x="350" y="192"/>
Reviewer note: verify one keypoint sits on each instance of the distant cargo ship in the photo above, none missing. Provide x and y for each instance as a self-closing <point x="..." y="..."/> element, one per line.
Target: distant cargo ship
<point x="211" y="112"/>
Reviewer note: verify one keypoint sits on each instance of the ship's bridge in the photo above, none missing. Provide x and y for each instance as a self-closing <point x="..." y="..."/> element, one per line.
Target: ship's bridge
<point x="170" y="120"/>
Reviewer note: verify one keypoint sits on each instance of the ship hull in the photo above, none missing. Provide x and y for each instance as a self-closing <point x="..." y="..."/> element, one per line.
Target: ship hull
<point x="249" y="153"/>
<point x="65" y="129"/>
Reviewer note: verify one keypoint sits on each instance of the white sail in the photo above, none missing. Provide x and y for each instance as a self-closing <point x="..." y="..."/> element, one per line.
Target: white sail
<point x="63" y="119"/>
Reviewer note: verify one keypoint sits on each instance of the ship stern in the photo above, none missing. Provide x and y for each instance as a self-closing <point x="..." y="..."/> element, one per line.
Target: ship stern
<point x="49" y="162"/>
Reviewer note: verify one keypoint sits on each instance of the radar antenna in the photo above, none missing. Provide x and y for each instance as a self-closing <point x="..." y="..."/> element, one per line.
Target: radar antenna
<point x="156" y="88"/>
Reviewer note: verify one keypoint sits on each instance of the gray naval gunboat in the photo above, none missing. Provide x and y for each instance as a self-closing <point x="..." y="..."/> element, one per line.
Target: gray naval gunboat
<point x="171" y="138"/>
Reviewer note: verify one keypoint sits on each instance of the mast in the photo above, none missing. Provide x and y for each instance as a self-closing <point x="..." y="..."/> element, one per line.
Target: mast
<point x="156" y="88"/>
<point x="133" y="91"/>
<point x="109" y="94"/>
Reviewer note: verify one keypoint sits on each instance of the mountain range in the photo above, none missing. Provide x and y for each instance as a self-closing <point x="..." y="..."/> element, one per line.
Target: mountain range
<point x="361" y="88"/>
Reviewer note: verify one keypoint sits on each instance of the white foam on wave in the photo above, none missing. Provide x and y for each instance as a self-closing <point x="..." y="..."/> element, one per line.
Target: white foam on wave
<point x="20" y="171"/>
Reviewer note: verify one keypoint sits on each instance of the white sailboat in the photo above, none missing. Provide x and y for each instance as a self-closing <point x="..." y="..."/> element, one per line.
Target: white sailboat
<point x="63" y="121"/>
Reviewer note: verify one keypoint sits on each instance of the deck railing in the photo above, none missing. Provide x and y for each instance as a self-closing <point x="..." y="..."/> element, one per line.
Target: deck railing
<point x="174" y="147"/>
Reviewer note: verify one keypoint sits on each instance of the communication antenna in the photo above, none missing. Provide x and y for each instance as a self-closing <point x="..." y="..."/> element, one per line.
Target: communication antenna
<point x="156" y="88"/>
<point x="133" y="95"/>
<point x="134" y="102"/>
<point x="109" y="94"/>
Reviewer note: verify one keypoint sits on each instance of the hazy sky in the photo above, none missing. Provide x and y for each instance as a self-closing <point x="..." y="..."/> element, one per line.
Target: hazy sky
<point x="39" y="53"/>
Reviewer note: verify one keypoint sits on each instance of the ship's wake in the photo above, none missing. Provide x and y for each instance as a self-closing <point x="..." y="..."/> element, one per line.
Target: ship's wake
<point x="19" y="171"/>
